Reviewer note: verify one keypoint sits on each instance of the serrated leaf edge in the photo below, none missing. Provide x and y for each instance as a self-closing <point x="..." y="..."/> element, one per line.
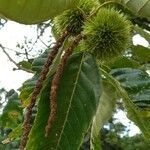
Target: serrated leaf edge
<point x="71" y="98"/>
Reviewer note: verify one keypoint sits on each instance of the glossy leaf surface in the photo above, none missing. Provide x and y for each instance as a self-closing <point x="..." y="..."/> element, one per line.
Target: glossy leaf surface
<point x="141" y="53"/>
<point x="33" y="11"/>
<point x="136" y="83"/>
<point x="138" y="7"/>
<point x="78" y="97"/>
<point x="103" y="114"/>
<point x="135" y="111"/>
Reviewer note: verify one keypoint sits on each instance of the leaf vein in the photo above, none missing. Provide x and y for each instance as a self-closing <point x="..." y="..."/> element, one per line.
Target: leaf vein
<point x="71" y="99"/>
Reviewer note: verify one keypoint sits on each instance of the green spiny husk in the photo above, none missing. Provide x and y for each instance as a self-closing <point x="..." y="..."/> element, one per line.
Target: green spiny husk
<point x="107" y="34"/>
<point x="73" y="20"/>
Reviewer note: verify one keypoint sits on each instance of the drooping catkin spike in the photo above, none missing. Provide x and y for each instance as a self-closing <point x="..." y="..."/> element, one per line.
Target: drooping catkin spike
<point x="38" y="87"/>
<point x="55" y="83"/>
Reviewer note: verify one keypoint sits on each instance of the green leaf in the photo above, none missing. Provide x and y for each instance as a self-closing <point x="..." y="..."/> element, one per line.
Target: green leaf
<point x="141" y="53"/>
<point x="143" y="33"/>
<point x="12" y="112"/>
<point x="37" y="65"/>
<point x="33" y="11"/>
<point x="78" y="97"/>
<point x="16" y="133"/>
<point x="26" y="90"/>
<point x="123" y="62"/>
<point x="140" y="117"/>
<point x="25" y="64"/>
<point x="134" y="81"/>
<point x="38" y="62"/>
<point x="28" y="86"/>
<point x="2" y="90"/>
<point x="13" y="135"/>
<point x="103" y="114"/>
<point x="138" y="7"/>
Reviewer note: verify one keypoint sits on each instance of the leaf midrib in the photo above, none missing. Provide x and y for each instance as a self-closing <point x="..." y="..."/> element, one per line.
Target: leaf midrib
<point x="71" y="99"/>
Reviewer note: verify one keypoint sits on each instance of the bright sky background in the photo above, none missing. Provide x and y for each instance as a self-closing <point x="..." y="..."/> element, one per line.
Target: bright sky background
<point x="9" y="36"/>
<point x="9" y="79"/>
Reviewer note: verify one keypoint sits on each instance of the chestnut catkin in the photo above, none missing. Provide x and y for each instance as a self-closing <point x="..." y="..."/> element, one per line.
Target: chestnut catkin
<point x="73" y="20"/>
<point x="107" y="34"/>
<point x="38" y="87"/>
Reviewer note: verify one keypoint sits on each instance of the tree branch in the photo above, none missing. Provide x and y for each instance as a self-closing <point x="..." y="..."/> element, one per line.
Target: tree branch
<point x="15" y="63"/>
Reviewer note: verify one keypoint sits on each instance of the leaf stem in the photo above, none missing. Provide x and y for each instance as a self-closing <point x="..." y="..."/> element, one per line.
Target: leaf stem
<point x="102" y="5"/>
<point x="13" y="61"/>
